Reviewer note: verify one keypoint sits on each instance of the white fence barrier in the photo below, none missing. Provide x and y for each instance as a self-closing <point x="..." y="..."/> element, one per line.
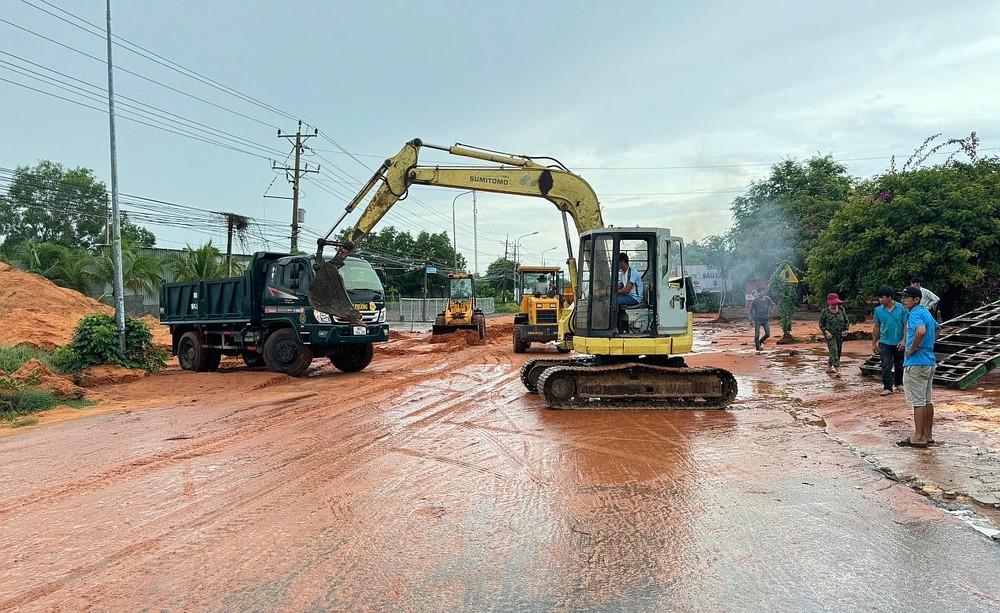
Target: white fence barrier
<point x="418" y="309"/>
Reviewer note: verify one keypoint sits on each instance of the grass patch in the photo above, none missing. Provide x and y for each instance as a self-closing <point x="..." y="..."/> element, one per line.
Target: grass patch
<point x="23" y="422"/>
<point x="82" y="403"/>
<point x="12" y="358"/>
<point x="15" y="403"/>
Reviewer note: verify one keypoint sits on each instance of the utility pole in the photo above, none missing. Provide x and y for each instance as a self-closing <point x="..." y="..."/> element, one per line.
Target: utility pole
<point x="116" y="227"/>
<point x="297" y="172"/>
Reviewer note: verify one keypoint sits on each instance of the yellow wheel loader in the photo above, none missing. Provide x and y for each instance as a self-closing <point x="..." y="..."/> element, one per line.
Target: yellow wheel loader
<point x="630" y="342"/>
<point x="460" y="312"/>
<point x="542" y="302"/>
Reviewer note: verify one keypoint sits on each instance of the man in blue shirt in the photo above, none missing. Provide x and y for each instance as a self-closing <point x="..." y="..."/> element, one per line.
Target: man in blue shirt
<point x="919" y="362"/>
<point x="629" y="283"/>
<point x="887" y="338"/>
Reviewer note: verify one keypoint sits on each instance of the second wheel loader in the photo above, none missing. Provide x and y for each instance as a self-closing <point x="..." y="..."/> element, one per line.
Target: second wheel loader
<point x="460" y="312"/>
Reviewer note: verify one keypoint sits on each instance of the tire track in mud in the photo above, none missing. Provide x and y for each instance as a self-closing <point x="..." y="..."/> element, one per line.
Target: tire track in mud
<point x="220" y="522"/>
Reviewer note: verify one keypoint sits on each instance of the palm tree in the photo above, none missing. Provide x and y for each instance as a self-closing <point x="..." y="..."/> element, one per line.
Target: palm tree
<point x="141" y="272"/>
<point x="205" y="262"/>
<point x="69" y="268"/>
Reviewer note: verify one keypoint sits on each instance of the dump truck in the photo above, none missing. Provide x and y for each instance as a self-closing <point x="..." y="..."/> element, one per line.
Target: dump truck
<point x="265" y="317"/>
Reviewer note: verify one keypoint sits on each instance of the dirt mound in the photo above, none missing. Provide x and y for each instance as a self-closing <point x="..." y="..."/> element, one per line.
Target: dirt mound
<point x="108" y="373"/>
<point x="500" y="329"/>
<point x="38" y="374"/>
<point x="457" y="339"/>
<point x="36" y="312"/>
<point x="161" y="333"/>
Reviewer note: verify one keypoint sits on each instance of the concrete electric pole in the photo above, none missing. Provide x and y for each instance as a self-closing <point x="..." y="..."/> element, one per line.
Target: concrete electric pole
<point x="297" y="172"/>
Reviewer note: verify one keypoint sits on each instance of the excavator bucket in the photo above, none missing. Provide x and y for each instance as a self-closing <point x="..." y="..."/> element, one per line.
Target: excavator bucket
<point x="328" y="294"/>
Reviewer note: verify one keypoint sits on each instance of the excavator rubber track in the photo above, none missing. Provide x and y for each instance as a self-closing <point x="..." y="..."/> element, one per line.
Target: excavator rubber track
<point x="633" y="385"/>
<point x="532" y="369"/>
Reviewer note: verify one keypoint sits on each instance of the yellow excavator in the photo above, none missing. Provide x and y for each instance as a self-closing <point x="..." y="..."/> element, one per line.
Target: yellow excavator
<point x="629" y="356"/>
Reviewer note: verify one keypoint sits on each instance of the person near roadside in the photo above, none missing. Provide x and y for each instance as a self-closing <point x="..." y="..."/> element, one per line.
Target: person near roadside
<point x="919" y="363"/>
<point x="928" y="299"/>
<point x="887" y="338"/>
<point x="759" y="313"/>
<point x="833" y="323"/>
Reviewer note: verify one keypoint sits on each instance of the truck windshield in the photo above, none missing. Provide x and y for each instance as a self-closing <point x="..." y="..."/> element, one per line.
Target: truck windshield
<point x="359" y="276"/>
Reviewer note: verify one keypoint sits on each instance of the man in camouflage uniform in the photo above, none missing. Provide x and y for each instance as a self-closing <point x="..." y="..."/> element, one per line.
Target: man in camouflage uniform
<point x="833" y="323"/>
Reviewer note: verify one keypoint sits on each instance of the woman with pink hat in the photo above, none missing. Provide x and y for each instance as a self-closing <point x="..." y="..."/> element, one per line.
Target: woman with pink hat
<point x="833" y="323"/>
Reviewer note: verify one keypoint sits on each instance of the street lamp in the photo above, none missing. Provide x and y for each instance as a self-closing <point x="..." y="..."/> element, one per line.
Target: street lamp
<point x="517" y="254"/>
<point x="546" y="251"/>
<point x="454" y="227"/>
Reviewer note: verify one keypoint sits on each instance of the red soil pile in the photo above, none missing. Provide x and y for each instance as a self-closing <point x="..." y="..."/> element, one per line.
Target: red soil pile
<point x="36" y="312"/>
<point x="40" y="376"/>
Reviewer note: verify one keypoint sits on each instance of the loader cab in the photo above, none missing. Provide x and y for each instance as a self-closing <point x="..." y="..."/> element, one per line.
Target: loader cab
<point x="657" y="257"/>
<point x="461" y="288"/>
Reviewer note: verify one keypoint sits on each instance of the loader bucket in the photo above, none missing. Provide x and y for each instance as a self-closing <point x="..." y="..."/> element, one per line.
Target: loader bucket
<point x="328" y="294"/>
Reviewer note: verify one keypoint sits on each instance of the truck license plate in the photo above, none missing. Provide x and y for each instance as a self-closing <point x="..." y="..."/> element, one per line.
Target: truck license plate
<point x="360" y="331"/>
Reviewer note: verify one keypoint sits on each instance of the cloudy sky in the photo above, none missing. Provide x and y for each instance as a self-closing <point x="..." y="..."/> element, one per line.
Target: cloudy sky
<point x="669" y="109"/>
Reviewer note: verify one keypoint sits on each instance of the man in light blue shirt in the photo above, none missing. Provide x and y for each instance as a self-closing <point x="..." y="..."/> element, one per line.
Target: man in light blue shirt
<point x="629" y="283"/>
<point x="887" y="338"/>
<point x="919" y="363"/>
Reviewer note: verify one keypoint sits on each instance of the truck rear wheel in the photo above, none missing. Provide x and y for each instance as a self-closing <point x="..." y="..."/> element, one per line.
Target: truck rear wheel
<point x="252" y="359"/>
<point x="285" y="354"/>
<point x="213" y="357"/>
<point x="352" y="357"/>
<point x="190" y="353"/>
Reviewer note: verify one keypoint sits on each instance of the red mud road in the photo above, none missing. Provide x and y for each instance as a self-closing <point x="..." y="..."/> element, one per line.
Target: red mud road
<point x="432" y="481"/>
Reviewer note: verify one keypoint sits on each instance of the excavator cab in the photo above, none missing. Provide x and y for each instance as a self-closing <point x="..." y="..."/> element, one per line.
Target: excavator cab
<point x="460" y="312"/>
<point x="662" y="311"/>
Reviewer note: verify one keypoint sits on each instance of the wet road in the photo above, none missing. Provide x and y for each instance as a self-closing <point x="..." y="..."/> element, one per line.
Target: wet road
<point x="431" y="481"/>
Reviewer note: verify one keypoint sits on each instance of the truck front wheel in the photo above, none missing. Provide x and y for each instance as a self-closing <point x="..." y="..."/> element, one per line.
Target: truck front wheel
<point x="190" y="353"/>
<point x="353" y="357"/>
<point x="285" y="354"/>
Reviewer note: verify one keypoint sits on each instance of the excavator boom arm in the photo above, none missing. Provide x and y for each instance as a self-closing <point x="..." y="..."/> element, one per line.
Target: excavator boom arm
<point x="517" y="175"/>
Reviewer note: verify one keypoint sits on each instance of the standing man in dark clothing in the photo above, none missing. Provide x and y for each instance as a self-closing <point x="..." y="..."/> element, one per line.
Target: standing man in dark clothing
<point x="760" y="311"/>
<point x="833" y="323"/>
<point x="887" y="338"/>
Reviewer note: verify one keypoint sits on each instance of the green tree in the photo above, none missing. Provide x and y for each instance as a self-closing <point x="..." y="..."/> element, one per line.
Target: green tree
<point x="779" y="219"/>
<point x="940" y="223"/>
<point x="205" y="262"/>
<point x="404" y="257"/>
<point x="135" y="235"/>
<point x="54" y="204"/>
<point x="500" y="275"/>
